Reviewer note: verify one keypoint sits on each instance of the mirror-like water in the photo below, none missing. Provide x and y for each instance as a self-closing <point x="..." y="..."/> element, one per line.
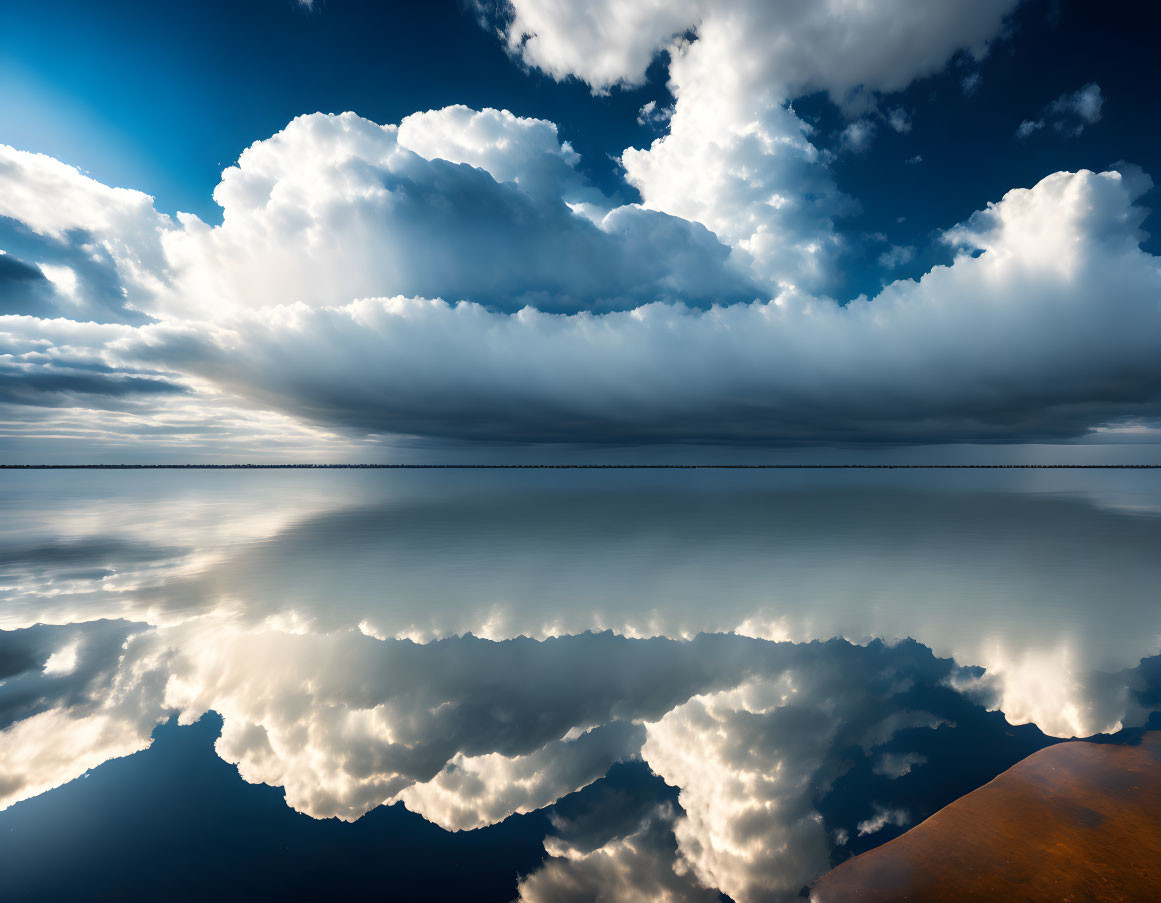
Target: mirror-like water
<point x="751" y="674"/>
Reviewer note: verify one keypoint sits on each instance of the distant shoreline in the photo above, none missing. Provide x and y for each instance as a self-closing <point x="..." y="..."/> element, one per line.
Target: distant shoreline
<point x="580" y="466"/>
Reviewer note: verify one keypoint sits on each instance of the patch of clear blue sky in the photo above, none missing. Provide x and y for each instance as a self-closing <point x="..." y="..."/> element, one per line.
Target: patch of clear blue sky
<point x="162" y="96"/>
<point x="970" y="151"/>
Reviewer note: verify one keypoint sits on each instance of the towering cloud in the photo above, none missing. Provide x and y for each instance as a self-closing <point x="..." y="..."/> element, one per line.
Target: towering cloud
<point x="451" y="203"/>
<point x="455" y="275"/>
<point x="1047" y="323"/>
<point x="793" y="46"/>
<point x="736" y="156"/>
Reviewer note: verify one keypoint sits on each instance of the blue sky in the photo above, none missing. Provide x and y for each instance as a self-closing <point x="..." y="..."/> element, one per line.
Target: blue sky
<point x="163" y="100"/>
<point x="876" y="156"/>
<point x="173" y="93"/>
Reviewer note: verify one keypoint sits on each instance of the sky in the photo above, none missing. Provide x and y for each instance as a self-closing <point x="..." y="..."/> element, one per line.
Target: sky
<point x="270" y="230"/>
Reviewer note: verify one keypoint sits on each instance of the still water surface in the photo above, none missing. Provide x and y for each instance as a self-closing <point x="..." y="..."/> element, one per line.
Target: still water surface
<point x="635" y="684"/>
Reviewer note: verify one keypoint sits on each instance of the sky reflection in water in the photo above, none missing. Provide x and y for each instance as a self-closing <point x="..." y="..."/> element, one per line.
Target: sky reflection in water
<point x="698" y="650"/>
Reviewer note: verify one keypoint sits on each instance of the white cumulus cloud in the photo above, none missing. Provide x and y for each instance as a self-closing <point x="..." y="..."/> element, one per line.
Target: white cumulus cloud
<point x="736" y="156"/>
<point x="1050" y="297"/>
<point x="475" y="287"/>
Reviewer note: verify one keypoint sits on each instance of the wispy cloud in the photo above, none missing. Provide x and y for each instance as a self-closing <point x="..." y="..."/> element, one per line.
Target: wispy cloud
<point x="1069" y="114"/>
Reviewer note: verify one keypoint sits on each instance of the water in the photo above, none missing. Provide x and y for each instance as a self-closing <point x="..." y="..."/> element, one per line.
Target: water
<point x="617" y="681"/>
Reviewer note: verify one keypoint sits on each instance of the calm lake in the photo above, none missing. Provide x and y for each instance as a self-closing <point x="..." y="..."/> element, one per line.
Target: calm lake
<point x="542" y="684"/>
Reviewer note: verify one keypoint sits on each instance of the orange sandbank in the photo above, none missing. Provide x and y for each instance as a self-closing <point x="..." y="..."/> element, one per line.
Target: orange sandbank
<point x="1074" y="822"/>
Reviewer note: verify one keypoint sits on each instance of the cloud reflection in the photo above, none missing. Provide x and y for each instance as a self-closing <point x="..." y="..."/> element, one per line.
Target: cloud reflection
<point x="996" y="578"/>
<point x="467" y="731"/>
<point x="491" y="646"/>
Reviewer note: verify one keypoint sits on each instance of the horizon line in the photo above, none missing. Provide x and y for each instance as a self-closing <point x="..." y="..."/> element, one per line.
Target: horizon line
<point x="580" y="466"/>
